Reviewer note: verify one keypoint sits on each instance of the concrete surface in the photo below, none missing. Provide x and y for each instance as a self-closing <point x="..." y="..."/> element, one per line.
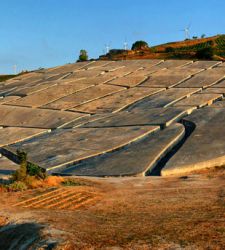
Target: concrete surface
<point x="163" y="99"/>
<point x="84" y="96"/>
<point x="117" y="101"/>
<point x="156" y="116"/>
<point x="128" y="81"/>
<point x="66" y="147"/>
<point x="204" y="79"/>
<point x="101" y="116"/>
<point x="135" y="159"/>
<point x="205" y="148"/>
<point x="35" y="118"/>
<point x="199" y="100"/>
<point x="12" y="135"/>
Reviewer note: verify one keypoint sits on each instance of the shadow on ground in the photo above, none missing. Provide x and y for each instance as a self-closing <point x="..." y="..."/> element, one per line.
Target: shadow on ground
<point x="23" y="236"/>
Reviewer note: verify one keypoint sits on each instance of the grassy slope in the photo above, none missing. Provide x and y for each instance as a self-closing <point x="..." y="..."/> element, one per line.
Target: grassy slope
<point x="5" y="77"/>
<point x="185" y="43"/>
<point x="179" y="50"/>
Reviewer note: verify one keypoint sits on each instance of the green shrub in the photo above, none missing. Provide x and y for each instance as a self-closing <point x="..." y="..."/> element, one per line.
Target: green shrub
<point x="17" y="186"/>
<point x="34" y="170"/>
<point x="71" y="182"/>
<point x="169" y="49"/>
<point x="83" y="55"/>
<point x="205" y="53"/>
<point x="6" y="77"/>
<point x="21" y="173"/>
<point x="27" y="169"/>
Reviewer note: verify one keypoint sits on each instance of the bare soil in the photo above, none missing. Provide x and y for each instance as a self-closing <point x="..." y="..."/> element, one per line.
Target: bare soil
<point x="185" y="212"/>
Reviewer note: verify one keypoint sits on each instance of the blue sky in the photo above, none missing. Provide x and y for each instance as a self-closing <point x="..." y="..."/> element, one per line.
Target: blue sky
<point x="45" y="33"/>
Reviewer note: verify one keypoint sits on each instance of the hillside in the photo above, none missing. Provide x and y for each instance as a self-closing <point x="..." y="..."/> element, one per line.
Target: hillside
<point x="187" y="49"/>
<point x="111" y="109"/>
<point x="145" y="125"/>
<point x="7" y="77"/>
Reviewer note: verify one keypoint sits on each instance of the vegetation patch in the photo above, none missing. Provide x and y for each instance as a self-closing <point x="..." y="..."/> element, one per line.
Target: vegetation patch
<point x="17" y="186"/>
<point x="29" y="176"/>
<point x="83" y="56"/>
<point x="27" y="169"/>
<point x="139" y="45"/>
<point x="5" y="77"/>
<point x="72" y="182"/>
<point x="204" y="48"/>
<point x="205" y="53"/>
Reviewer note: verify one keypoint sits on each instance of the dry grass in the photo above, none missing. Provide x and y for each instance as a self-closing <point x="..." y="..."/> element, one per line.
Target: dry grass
<point x="185" y="43"/>
<point x="32" y="182"/>
<point x="159" y="51"/>
<point x="137" y="213"/>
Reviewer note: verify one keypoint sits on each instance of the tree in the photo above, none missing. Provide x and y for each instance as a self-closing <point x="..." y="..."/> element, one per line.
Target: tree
<point x="21" y="173"/>
<point x="138" y="45"/>
<point x="205" y="53"/>
<point x="203" y="36"/>
<point x="195" y="37"/>
<point x="27" y="169"/>
<point x="83" y="55"/>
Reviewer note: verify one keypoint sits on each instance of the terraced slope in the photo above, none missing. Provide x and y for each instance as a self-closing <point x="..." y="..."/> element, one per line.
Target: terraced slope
<point x="116" y="118"/>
